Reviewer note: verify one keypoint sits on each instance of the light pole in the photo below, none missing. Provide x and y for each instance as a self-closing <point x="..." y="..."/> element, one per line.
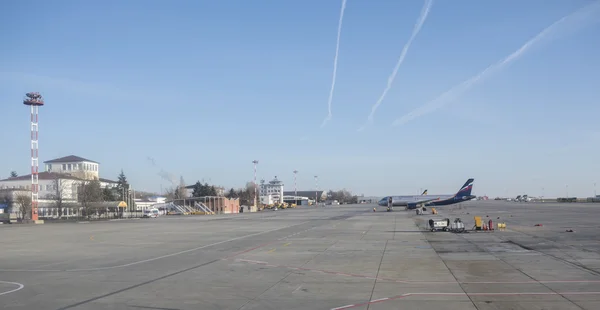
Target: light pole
<point x="316" y="190"/>
<point x="35" y="101"/>
<point x="567" y="186"/>
<point x="255" y="162"/>
<point x="295" y="188"/>
<point x="595" y="190"/>
<point x="542" y="193"/>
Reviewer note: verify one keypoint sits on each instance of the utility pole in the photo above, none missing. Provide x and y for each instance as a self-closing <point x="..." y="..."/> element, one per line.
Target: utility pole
<point x="316" y="190"/>
<point x="255" y="162"/>
<point x="295" y="188"/>
<point x="595" y="190"/>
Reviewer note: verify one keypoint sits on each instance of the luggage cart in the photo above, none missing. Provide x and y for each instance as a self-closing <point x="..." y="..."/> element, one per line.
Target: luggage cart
<point x="439" y="224"/>
<point x="458" y="226"/>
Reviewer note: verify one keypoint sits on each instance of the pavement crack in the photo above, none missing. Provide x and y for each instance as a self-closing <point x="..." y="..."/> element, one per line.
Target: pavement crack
<point x="520" y="270"/>
<point x="138" y="285"/>
<point x="377" y="275"/>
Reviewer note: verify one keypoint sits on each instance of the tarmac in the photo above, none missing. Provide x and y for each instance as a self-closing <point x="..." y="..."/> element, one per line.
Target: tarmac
<point x="334" y="257"/>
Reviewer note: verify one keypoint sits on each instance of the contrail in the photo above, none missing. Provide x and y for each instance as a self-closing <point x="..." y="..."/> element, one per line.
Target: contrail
<point x="415" y="32"/>
<point x="335" y="60"/>
<point x="580" y="17"/>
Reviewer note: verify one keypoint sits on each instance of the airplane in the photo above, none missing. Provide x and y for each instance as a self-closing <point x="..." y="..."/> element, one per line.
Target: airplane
<point x="420" y="201"/>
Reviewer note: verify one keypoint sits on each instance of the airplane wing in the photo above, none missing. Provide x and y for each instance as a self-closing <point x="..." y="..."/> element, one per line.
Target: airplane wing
<point x="426" y="200"/>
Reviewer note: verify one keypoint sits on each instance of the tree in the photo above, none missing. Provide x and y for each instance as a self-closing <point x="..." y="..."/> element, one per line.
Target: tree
<point x="232" y="194"/>
<point x="246" y="194"/>
<point x="108" y="194"/>
<point x="88" y="193"/>
<point x="58" y="187"/>
<point x="199" y="190"/>
<point x="170" y="193"/>
<point x="24" y="203"/>
<point x="342" y="196"/>
<point x="180" y="192"/>
<point x="122" y="186"/>
<point x="13" y="174"/>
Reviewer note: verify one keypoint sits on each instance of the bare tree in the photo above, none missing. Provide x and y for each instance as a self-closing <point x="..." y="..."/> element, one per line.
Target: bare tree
<point x="170" y="193"/>
<point x="24" y="203"/>
<point x="181" y="191"/>
<point x="88" y="193"/>
<point x="58" y="194"/>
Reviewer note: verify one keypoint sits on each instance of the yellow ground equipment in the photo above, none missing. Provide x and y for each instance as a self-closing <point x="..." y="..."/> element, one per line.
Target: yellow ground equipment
<point x="433" y="211"/>
<point x="478" y="223"/>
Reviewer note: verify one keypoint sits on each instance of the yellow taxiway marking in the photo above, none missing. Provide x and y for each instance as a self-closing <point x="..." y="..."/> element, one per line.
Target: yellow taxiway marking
<point x="272" y="250"/>
<point x="286" y="244"/>
<point x="91" y="238"/>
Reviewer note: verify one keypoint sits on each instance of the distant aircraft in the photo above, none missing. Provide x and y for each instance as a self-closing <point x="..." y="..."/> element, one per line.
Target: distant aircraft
<point x="413" y="202"/>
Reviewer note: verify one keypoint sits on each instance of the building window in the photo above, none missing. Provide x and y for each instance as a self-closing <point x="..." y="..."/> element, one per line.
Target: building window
<point x="64" y="167"/>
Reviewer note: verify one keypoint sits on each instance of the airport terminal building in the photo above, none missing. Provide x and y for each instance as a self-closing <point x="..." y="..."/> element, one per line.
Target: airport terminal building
<point x="63" y="177"/>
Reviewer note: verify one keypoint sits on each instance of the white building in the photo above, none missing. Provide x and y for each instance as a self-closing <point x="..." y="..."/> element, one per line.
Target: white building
<point x="63" y="178"/>
<point x="50" y="184"/>
<point x="147" y="204"/>
<point x="76" y="166"/>
<point x="274" y="189"/>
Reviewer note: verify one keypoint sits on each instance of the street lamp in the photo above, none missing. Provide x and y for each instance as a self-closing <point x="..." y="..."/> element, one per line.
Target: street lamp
<point x="316" y="190"/>
<point x="255" y="162"/>
<point x="295" y="188"/>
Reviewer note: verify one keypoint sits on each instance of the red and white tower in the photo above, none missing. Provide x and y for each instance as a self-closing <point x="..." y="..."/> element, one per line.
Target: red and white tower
<point x="34" y="100"/>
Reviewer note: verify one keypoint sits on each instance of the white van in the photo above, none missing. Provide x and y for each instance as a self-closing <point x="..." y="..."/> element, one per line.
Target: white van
<point x="152" y="213"/>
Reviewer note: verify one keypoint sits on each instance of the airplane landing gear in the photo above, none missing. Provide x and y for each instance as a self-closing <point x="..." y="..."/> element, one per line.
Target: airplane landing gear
<point x="389" y="209"/>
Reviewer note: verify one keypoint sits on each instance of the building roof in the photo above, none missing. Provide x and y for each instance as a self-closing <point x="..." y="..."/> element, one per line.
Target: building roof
<point x="309" y="194"/>
<point x="43" y="176"/>
<point x="69" y="159"/>
<point x="106" y="180"/>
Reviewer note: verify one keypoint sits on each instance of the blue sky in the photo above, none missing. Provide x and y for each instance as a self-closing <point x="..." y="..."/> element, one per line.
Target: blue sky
<point x="205" y="87"/>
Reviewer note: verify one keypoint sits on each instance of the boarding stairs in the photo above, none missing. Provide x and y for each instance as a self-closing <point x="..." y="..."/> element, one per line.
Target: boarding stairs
<point x="173" y="207"/>
<point x="200" y="206"/>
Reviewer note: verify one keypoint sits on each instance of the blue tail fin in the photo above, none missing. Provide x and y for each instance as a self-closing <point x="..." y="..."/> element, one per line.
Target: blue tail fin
<point x="465" y="190"/>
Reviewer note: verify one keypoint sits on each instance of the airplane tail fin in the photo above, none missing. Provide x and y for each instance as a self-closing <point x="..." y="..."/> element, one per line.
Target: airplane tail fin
<point x="465" y="190"/>
<point x="424" y="193"/>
